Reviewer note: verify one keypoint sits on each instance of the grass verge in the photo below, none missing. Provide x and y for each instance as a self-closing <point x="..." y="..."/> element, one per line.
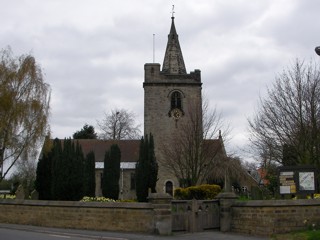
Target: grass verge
<point x="304" y="235"/>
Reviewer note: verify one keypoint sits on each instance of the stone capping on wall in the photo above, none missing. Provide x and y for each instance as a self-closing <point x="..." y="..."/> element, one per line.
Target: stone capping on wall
<point x="75" y="204"/>
<point x="277" y="203"/>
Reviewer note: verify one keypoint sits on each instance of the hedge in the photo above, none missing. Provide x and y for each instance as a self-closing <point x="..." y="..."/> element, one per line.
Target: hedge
<point x="201" y="192"/>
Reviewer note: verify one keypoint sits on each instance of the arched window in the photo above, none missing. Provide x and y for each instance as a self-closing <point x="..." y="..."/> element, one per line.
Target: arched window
<point x="169" y="188"/>
<point x="176" y="100"/>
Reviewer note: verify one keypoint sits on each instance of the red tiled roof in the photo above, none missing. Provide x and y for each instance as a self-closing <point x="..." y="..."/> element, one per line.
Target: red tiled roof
<point x="129" y="148"/>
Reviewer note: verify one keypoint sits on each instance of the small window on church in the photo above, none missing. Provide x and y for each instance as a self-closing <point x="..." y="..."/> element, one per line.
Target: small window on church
<point x="176" y="100"/>
<point x="169" y="188"/>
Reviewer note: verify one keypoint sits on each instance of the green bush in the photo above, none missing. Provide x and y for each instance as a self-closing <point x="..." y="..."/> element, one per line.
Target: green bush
<point x="182" y="193"/>
<point x="202" y="192"/>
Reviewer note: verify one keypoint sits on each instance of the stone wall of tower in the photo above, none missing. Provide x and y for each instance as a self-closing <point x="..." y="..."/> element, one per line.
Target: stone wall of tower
<point x="157" y="105"/>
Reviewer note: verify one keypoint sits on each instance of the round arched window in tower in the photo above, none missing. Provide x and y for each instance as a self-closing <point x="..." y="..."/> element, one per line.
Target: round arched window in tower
<point x="176" y="100"/>
<point x="176" y="105"/>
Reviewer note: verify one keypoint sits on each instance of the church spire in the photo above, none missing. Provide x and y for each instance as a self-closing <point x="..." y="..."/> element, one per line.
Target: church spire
<point x="173" y="60"/>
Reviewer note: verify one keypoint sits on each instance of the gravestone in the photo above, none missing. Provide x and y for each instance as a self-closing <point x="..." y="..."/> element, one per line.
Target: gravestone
<point x="20" y="194"/>
<point x="34" y="195"/>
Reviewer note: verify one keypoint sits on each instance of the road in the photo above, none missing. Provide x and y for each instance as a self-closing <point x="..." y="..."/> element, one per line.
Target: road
<point x="34" y="233"/>
<point x="24" y="232"/>
<point x="8" y="234"/>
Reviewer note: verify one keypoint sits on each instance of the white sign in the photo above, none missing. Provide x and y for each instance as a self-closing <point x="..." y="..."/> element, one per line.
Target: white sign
<point x="306" y="181"/>
<point x="285" y="189"/>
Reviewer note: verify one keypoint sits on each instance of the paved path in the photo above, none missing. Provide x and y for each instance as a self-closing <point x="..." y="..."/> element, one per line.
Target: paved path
<point x="85" y="234"/>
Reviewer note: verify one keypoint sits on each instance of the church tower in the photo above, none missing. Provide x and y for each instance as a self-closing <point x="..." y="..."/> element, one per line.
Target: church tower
<point x="168" y="96"/>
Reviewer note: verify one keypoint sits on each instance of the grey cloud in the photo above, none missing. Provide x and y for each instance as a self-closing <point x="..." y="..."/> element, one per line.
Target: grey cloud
<point x="93" y="55"/>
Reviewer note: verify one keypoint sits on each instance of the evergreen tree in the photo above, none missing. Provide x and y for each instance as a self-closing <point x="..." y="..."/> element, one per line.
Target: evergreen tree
<point x="153" y="166"/>
<point x="67" y="171"/>
<point x="44" y="170"/>
<point x="146" y="169"/>
<point x="74" y="191"/>
<point x="64" y="166"/>
<point x="43" y="181"/>
<point x="141" y="177"/>
<point x="58" y="173"/>
<point x="89" y="175"/>
<point x="111" y="173"/>
<point x="87" y="132"/>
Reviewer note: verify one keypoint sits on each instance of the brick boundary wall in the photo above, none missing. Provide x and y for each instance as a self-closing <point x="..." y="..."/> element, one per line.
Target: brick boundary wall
<point x="268" y="217"/>
<point x="257" y="217"/>
<point x="128" y="217"/>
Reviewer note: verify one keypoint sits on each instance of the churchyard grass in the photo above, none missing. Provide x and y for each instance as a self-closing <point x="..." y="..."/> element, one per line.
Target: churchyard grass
<point x="301" y="235"/>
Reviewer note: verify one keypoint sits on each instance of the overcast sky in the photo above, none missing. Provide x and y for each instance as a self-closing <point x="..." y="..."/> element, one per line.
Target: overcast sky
<point x="93" y="52"/>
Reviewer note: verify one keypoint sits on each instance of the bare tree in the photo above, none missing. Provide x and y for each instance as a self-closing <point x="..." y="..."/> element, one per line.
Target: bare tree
<point x="193" y="153"/>
<point x="227" y="169"/>
<point x="286" y="126"/>
<point x="119" y="124"/>
<point x="24" y="107"/>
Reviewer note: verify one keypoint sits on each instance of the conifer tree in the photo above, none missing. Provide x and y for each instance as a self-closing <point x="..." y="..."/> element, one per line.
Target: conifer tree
<point x="89" y="175"/>
<point x="43" y="181"/>
<point x="111" y="173"/>
<point x="76" y="166"/>
<point x="60" y="172"/>
<point x="141" y="177"/>
<point x="153" y="165"/>
<point x="146" y="169"/>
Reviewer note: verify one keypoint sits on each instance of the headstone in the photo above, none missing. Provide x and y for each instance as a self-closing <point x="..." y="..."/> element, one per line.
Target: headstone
<point x="20" y="192"/>
<point x="34" y="195"/>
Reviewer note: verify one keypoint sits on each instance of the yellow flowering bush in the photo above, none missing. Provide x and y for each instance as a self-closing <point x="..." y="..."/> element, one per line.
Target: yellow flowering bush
<point x="96" y="199"/>
<point x="316" y="196"/>
<point x="8" y="196"/>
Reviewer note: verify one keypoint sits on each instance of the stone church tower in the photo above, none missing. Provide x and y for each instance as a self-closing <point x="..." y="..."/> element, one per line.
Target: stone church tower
<point x="168" y="95"/>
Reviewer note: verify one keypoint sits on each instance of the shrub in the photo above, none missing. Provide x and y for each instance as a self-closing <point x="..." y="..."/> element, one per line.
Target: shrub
<point x="202" y="192"/>
<point x="8" y="196"/>
<point x="182" y="193"/>
<point x="96" y="199"/>
<point x="103" y="199"/>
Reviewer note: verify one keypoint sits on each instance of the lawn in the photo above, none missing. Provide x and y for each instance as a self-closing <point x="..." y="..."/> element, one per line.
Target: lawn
<point x="305" y="235"/>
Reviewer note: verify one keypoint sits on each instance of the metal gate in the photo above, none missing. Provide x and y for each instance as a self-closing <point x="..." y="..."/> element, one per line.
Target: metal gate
<point x="195" y="215"/>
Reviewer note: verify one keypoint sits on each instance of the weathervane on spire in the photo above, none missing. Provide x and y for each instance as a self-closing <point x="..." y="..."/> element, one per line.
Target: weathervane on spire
<point x="172" y="11"/>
